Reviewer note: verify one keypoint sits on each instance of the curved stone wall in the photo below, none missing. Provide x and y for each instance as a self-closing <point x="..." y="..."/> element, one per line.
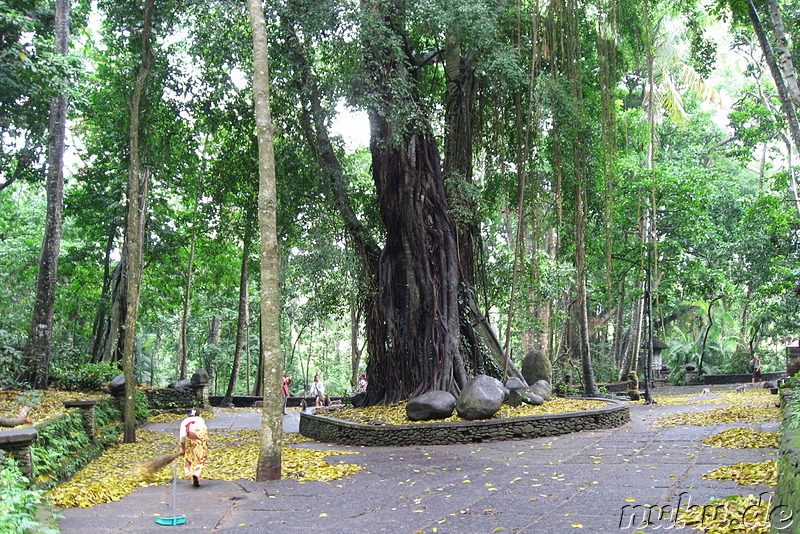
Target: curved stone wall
<point x="330" y="430"/>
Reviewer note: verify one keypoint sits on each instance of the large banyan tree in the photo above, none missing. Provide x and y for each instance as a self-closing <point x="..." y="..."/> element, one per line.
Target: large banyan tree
<point x="426" y="331"/>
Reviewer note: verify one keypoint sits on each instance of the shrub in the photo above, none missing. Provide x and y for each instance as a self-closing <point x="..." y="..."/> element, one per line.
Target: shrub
<point x="83" y="377"/>
<point x="18" y="504"/>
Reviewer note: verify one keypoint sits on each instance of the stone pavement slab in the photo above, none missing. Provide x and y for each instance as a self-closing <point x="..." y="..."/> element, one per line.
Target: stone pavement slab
<point x="573" y="483"/>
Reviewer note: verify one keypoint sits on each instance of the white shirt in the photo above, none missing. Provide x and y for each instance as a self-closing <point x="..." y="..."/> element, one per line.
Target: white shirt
<point x="317" y="389"/>
<point x="195" y="424"/>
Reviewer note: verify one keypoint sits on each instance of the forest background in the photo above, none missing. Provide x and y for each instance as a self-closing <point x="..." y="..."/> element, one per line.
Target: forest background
<point x="612" y="172"/>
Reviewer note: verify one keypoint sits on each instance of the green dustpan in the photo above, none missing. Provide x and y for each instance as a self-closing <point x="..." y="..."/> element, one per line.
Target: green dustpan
<point x="171" y="521"/>
<point x="176" y="519"/>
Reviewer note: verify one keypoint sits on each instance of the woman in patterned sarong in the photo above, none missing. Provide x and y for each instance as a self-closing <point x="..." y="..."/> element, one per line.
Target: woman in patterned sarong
<point x="194" y="446"/>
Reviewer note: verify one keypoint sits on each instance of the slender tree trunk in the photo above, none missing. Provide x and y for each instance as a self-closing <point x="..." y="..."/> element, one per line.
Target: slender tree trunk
<point x="241" y="323"/>
<point x="259" y="383"/>
<point x="519" y="247"/>
<point x="269" y="458"/>
<point x="156" y="346"/>
<point x="355" y="351"/>
<point x="333" y="176"/>
<point x="619" y="329"/>
<point x="633" y="338"/>
<point x="589" y="383"/>
<point x="112" y="348"/>
<point x="187" y="296"/>
<point x="99" y="326"/>
<point x="43" y="309"/>
<point x="214" y="337"/>
<point x="138" y="178"/>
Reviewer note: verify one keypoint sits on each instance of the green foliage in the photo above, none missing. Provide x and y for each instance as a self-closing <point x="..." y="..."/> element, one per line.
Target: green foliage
<point x="29" y="398"/>
<point x="721" y="228"/>
<point x="605" y="367"/>
<point x="18" y="504"/>
<point x="790" y="392"/>
<point x="753" y="123"/>
<point x="107" y="413"/>
<point x="83" y="377"/>
<point x="58" y="447"/>
<point x="142" y="411"/>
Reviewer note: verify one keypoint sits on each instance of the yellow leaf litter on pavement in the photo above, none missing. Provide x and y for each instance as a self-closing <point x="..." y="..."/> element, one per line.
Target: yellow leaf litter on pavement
<point x="744" y="438"/>
<point x="718" y="416"/>
<point x="748" y="473"/>
<point x="232" y="456"/>
<point x="731" y="515"/>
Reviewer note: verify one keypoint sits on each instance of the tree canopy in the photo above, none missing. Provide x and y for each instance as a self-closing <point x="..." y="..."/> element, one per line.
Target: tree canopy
<point x="575" y="177"/>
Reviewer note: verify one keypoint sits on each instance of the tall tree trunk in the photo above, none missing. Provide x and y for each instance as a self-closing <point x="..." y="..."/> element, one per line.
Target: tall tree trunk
<point x="138" y="178"/>
<point x="787" y="107"/>
<point x="355" y="350"/>
<point x="521" y="156"/>
<point x="43" y="309"/>
<point x="269" y="458"/>
<point x="214" y="338"/>
<point x="589" y="383"/>
<point x="112" y="347"/>
<point x="457" y="166"/>
<point x="100" y="324"/>
<point x="618" y="327"/>
<point x="242" y="320"/>
<point x="156" y="346"/>
<point x="332" y="174"/>
<point x="419" y="277"/>
<point x="633" y="338"/>
<point x="259" y="383"/>
<point x="783" y="53"/>
<point x="187" y="297"/>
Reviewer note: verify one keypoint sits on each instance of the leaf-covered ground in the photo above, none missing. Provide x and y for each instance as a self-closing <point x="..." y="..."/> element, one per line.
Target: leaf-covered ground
<point x="751" y="395"/>
<point x="395" y="414"/>
<point x="746" y="473"/>
<point x="232" y="456"/>
<point x="732" y="515"/>
<point x="744" y="438"/>
<point x="735" y="514"/>
<point x="718" y="416"/>
<point x="44" y="404"/>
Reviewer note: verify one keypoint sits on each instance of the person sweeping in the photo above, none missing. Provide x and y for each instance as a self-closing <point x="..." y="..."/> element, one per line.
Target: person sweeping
<point x="194" y="446"/>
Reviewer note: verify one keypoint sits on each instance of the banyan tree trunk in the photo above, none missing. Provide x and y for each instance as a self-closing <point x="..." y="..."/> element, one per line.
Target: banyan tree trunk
<point x="418" y="272"/>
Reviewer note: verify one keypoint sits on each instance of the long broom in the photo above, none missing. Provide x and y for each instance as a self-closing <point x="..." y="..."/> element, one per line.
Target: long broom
<point x="156" y="464"/>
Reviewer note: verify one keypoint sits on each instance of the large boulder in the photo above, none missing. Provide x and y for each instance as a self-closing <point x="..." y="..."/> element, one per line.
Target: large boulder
<point x="481" y="398"/>
<point x="117" y="385"/>
<point x="200" y="378"/>
<point x="516" y="384"/>
<point x="181" y="384"/>
<point x="436" y="404"/>
<point x="518" y="398"/>
<point x="359" y="400"/>
<point x="536" y="366"/>
<point x="543" y="389"/>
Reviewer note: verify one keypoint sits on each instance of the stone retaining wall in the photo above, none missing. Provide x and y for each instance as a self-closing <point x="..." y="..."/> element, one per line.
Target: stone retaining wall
<point x="787" y="493"/>
<point x="249" y="401"/>
<point x="740" y="378"/>
<point x="170" y="398"/>
<point x="327" y="429"/>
